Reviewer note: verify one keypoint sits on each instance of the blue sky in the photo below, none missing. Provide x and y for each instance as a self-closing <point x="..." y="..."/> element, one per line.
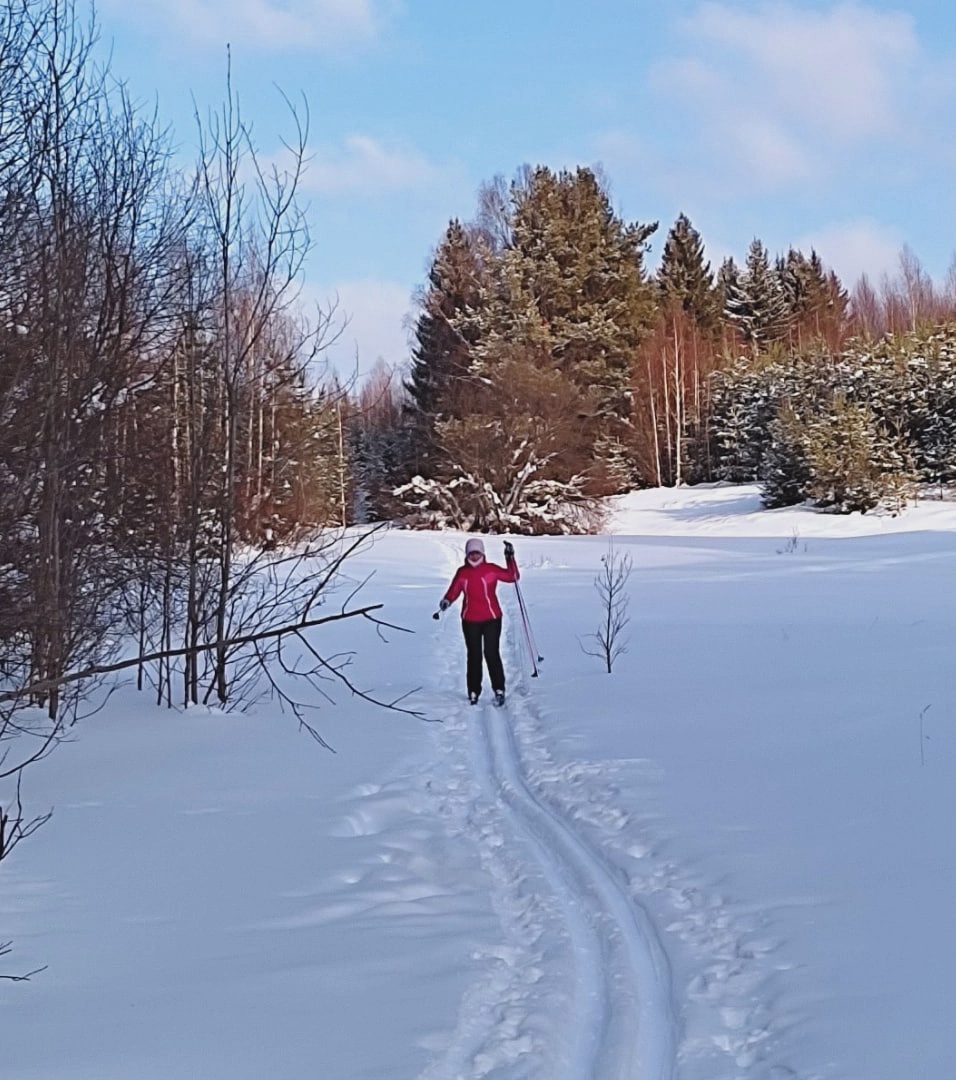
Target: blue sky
<point x="812" y="124"/>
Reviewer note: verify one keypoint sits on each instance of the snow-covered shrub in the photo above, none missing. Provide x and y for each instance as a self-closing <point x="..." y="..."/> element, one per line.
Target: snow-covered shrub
<point x="785" y="470"/>
<point x="856" y="464"/>
<point x="546" y="507"/>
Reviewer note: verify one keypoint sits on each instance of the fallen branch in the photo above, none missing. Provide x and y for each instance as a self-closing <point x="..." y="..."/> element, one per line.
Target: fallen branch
<point x="192" y="650"/>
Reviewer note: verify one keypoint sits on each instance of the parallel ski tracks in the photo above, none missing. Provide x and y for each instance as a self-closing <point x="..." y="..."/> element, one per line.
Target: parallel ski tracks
<point x="624" y="1022"/>
<point x="624" y="1025"/>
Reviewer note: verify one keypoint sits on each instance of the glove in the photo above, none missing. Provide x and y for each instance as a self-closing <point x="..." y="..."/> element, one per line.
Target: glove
<point x="444" y="605"/>
<point x="509" y="551"/>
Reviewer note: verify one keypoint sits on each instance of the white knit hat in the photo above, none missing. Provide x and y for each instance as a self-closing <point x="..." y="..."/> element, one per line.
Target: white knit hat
<point x="474" y="544"/>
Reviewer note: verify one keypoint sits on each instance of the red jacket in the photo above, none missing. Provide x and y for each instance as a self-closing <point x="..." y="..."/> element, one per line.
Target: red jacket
<point x="478" y="584"/>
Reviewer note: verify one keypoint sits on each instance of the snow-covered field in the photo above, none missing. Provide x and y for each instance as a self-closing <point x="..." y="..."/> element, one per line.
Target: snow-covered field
<point x="731" y="858"/>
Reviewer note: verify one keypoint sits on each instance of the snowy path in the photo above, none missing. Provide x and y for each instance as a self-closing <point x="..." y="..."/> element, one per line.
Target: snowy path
<point x="581" y="987"/>
<point x="624" y="1024"/>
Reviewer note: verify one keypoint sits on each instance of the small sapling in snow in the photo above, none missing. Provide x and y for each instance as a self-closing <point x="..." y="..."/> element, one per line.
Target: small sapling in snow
<point x="611" y="585"/>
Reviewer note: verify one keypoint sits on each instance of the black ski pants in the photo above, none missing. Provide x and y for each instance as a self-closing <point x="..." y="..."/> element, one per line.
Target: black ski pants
<point x="483" y="636"/>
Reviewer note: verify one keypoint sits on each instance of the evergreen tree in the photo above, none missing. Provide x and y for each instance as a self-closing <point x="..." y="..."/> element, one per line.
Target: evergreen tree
<point x="855" y="462"/>
<point x="576" y="283"/>
<point x="520" y="386"/>
<point x="784" y="468"/>
<point x="673" y="365"/>
<point x="755" y="301"/>
<point x="728" y="277"/>
<point x="378" y="444"/>
<point x="444" y="334"/>
<point x="685" y="279"/>
<point x="816" y="300"/>
<point x="918" y="394"/>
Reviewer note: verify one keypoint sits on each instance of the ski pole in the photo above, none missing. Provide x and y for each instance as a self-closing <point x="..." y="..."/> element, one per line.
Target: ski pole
<point x="529" y="637"/>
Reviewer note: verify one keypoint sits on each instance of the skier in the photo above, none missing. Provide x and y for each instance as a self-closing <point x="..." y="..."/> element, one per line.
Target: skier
<point x="476" y="581"/>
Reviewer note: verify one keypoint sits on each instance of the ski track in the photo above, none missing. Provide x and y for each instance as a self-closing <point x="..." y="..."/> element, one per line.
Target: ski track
<point x="621" y="1020"/>
<point x="625" y="1024"/>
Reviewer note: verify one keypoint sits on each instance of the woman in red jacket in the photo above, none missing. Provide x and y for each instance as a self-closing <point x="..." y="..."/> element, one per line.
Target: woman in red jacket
<point x="476" y="582"/>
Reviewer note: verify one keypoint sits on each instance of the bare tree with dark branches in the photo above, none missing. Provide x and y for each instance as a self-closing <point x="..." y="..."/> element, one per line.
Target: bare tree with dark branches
<point x="254" y="239"/>
<point x="150" y="363"/>
<point x="611" y="585"/>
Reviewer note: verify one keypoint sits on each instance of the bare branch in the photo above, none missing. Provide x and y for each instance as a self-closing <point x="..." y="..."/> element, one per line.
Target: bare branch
<point x="192" y="650"/>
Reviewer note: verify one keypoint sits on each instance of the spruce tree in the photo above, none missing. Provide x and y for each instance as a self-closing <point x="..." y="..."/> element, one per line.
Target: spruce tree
<point x="444" y="335"/>
<point x="755" y="301"/>
<point x="521" y="374"/>
<point x="685" y="279"/>
<point x="816" y="300"/>
<point x="577" y="284"/>
<point x="784" y="469"/>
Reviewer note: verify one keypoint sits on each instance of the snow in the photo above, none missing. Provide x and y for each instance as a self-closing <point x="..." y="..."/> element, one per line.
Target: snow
<point x="728" y="859"/>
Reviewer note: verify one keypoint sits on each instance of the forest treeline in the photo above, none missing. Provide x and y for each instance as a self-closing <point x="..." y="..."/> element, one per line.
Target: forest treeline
<point x="552" y="367"/>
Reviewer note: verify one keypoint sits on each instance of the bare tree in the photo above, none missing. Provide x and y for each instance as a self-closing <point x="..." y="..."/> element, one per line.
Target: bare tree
<point x="272" y="648"/>
<point x="671" y="379"/>
<point x="256" y="239"/>
<point x="905" y="303"/>
<point x="124" y="287"/>
<point x="515" y="446"/>
<point x="611" y="586"/>
<point x="84" y="228"/>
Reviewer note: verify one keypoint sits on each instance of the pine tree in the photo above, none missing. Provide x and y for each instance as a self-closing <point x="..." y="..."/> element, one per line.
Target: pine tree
<point x="444" y="335"/>
<point x="520" y="386"/>
<point x="685" y="279"/>
<point x="816" y="300"/>
<point x="755" y="301"/>
<point x="855" y="462"/>
<point x="576" y="282"/>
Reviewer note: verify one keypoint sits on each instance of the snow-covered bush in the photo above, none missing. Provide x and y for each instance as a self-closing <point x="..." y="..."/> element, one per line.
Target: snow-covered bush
<point x="546" y="507"/>
<point x="785" y="469"/>
<point x="855" y="463"/>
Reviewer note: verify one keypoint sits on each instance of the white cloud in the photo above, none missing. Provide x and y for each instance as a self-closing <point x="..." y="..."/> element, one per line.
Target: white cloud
<point x="854" y="248"/>
<point x="838" y="69"/>
<point x="378" y="313"/>
<point x="774" y="155"/>
<point x="367" y="166"/>
<point x="622" y="149"/>
<point x="778" y="94"/>
<point x="320" y="25"/>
